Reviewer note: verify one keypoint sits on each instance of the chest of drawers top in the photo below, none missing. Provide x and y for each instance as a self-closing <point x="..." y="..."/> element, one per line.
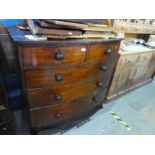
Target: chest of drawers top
<point x="51" y="53"/>
<point x="19" y="38"/>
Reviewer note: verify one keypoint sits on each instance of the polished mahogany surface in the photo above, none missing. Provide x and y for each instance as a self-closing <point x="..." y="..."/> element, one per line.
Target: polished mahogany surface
<point x="64" y="78"/>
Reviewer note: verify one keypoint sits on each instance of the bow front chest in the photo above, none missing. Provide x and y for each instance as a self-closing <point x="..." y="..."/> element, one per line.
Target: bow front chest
<point x="63" y="79"/>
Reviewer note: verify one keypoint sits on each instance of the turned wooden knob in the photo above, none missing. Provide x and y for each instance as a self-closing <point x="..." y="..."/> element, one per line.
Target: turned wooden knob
<point x="96" y="99"/>
<point x="58" y="77"/>
<point x="108" y="51"/>
<point x="104" y="68"/>
<point x="99" y="84"/>
<point x="57" y="115"/>
<point x="58" y="97"/>
<point x="59" y="56"/>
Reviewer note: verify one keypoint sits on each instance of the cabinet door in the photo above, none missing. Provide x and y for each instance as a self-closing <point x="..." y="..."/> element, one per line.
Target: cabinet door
<point x="151" y="67"/>
<point x="120" y="80"/>
<point x="134" y="58"/>
<point x="141" y="68"/>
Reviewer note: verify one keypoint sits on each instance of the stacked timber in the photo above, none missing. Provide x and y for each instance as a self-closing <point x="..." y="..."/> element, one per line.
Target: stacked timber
<point x="62" y="29"/>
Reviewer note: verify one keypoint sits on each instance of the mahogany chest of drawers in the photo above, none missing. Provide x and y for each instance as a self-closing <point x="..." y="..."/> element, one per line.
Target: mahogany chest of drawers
<point x="63" y="79"/>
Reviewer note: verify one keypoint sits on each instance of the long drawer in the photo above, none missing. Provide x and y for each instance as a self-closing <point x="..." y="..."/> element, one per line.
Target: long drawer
<point x="55" y="96"/>
<point x="53" y="56"/>
<point x="48" y="116"/>
<point x="57" y="77"/>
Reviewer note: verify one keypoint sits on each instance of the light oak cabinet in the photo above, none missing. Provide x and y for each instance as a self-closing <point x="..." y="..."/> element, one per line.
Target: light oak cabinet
<point x="132" y="70"/>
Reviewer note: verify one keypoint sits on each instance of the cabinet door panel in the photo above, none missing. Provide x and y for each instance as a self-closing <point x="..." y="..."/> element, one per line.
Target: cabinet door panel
<point x="142" y="68"/>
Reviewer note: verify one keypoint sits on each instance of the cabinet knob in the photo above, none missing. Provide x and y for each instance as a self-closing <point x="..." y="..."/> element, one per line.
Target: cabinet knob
<point x="104" y="68"/>
<point x="96" y="99"/>
<point x="99" y="84"/>
<point x="59" y="56"/>
<point x="108" y="51"/>
<point x="58" y="77"/>
<point x="57" y="115"/>
<point x="58" y="97"/>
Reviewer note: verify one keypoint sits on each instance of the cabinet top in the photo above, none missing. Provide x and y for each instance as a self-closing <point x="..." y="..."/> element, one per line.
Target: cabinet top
<point x="19" y="38"/>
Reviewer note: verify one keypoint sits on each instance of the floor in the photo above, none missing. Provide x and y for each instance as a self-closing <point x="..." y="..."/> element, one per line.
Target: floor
<point x="131" y="114"/>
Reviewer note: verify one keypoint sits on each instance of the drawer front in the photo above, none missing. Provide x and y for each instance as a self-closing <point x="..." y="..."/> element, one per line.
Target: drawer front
<point x="58" y="96"/>
<point x="105" y="80"/>
<point x="57" y="77"/>
<point x="49" y="116"/>
<point x="53" y="56"/>
<point x="99" y="95"/>
<point x="5" y="129"/>
<point x="103" y="51"/>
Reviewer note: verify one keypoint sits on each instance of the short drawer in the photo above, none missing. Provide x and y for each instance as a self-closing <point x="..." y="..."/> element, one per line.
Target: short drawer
<point x="57" y="77"/>
<point x="102" y="51"/>
<point x="57" y="96"/>
<point x="53" y="56"/>
<point x="52" y="115"/>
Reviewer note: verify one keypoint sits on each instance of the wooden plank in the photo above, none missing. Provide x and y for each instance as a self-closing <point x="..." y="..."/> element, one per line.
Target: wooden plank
<point x="129" y="27"/>
<point x="62" y="37"/>
<point x="130" y="35"/>
<point x="98" y="28"/>
<point x="45" y="31"/>
<point x="58" y="32"/>
<point x="58" y="22"/>
<point x="97" y="34"/>
<point x="44" y="24"/>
